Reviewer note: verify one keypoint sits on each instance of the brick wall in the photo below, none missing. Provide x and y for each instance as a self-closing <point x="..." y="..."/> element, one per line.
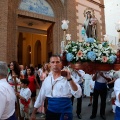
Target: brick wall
<point x="12" y="41"/>
<point x="63" y="10"/>
<point x="3" y="29"/>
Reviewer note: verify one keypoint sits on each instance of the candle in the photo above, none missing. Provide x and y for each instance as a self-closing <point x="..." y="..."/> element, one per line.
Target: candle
<point x="62" y="44"/>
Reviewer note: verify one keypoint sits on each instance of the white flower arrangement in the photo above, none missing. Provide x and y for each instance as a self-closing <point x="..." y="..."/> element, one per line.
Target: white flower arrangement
<point x="90" y="50"/>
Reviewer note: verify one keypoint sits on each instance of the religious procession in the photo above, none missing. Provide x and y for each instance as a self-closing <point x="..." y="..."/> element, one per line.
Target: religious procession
<point x="46" y="73"/>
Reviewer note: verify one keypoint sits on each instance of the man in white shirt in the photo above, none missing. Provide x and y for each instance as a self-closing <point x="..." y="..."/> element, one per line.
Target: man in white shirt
<point x="117" y="94"/>
<point x="7" y="95"/>
<point x="78" y="75"/>
<point x="58" y="90"/>
<point x="101" y="78"/>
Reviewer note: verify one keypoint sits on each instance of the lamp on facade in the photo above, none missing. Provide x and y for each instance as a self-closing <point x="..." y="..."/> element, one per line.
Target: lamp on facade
<point x="64" y="28"/>
<point x="118" y="46"/>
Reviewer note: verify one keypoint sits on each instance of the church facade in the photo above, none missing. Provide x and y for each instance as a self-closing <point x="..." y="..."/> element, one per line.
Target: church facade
<point x="31" y="29"/>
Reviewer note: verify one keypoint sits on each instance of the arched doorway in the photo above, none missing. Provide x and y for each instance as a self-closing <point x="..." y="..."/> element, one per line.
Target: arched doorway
<point x="38" y="34"/>
<point x="42" y="24"/>
<point x="37" y="52"/>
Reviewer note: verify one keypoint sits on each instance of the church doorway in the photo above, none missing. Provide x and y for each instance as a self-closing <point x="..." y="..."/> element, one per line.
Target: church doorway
<point x="34" y="41"/>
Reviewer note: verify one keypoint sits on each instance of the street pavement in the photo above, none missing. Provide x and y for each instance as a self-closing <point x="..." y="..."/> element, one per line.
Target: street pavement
<point x="86" y="111"/>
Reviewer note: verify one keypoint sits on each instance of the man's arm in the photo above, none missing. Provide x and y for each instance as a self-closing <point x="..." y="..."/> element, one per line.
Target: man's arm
<point x="78" y="73"/>
<point x="73" y="85"/>
<point x="81" y="75"/>
<point x="107" y="78"/>
<point x="70" y="80"/>
<point x="112" y="81"/>
<point x="18" y="94"/>
<point x="95" y="76"/>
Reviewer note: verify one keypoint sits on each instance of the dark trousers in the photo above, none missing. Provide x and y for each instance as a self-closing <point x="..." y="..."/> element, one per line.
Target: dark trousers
<point x="117" y="113"/>
<point x="103" y="94"/>
<point x="52" y="116"/>
<point x="79" y="104"/>
<point x="57" y="116"/>
<point x="13" y="117"/>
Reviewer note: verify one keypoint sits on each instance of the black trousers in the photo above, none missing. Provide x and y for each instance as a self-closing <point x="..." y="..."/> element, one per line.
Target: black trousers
<point x="13" y="117"/>
<point x="52" y="116"/>
<point x="57" y="116"/>
<point x="79" y="104"/>
<point x="103" y="94"/>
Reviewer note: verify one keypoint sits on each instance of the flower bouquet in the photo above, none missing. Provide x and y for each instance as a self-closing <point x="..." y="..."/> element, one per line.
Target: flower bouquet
<point x="90" y="50"/>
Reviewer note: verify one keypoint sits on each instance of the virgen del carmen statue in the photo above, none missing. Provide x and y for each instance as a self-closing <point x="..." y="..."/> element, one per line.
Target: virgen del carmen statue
<point x="92" y="54"/>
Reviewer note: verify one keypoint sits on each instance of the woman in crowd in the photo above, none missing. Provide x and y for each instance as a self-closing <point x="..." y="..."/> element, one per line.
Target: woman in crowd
<point x="44" y="74"/>
<point x="33" y="82"/>
<point x="45" y="71"/>
<point x="22" y="71"/>
<point x="13" y="79"/>
<point x="14" y="72"/>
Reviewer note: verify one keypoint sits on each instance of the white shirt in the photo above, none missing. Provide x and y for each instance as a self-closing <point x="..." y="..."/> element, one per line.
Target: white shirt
<point x="117" y="91"/>
<point x="12" y="83"/>
<point x="7" y="100"/>
<point x="77" y="77"/>
<point x="101" y="79"/>
<point x="40" y="72"/>
<point x="56" y="88"/>
<point x="92" y="84"/>
<point x="25" y="93"/>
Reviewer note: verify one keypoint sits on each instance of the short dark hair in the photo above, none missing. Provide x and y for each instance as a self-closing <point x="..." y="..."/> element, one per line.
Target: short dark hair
<point x="55" y="56"/>
<point x="25" y="81"/>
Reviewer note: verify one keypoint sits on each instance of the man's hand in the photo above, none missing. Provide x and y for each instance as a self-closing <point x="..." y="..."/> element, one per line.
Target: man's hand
<point x="17" y="94"/>
<point x="66" y="73"/>
<point x="101" y="73"/>
<point x="107" y="78"/>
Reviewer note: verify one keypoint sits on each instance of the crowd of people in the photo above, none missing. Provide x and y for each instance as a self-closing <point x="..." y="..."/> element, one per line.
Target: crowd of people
<point x="57" y="89"/>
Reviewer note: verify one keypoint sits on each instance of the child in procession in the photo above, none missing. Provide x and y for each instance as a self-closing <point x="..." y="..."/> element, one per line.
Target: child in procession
<point x="24" y="95"/>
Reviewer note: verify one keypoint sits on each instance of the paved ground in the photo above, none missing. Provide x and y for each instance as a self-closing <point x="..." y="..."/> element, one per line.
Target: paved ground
<point x="86" y="111"/>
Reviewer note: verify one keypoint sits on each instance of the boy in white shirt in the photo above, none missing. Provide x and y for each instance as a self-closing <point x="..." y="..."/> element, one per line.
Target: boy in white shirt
<point x="24" y="95"/>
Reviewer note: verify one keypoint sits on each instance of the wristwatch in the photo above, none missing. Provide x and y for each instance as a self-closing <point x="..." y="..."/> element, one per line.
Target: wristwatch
<point x="69" y="79"/>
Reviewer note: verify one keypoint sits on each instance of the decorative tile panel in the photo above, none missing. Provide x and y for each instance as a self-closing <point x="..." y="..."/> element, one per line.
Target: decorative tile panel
<point x="37" y="6"/>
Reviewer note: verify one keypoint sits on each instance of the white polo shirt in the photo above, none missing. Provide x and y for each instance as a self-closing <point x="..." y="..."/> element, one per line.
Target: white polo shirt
<point x="78" y="79"/>
<point x="7" y="100"/>
<point x="117" y="91"/>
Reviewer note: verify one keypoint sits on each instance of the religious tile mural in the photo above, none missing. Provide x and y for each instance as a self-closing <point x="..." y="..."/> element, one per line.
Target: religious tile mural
<point x="37" y="6"/>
